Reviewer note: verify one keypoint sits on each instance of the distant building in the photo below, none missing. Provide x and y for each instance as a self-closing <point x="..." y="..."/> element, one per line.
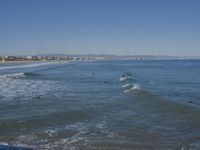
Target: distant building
<point x="1" y="58"/>
<point x="9" y="58"/>
<point x="29" y="57"/>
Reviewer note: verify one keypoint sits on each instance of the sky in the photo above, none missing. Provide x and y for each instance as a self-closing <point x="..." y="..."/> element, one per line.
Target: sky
<point x="120" y="27"/>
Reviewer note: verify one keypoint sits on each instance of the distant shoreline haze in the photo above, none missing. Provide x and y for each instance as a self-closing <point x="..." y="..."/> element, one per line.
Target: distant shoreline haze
<point x="68" y="57"/>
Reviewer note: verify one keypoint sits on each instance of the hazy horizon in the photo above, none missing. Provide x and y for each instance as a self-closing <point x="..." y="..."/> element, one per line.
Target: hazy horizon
<point x="118" y="27"/>
<point x="99" y="54"/>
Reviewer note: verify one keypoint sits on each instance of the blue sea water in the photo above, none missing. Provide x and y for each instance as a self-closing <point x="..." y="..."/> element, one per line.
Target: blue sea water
<point x="147" y="104"/>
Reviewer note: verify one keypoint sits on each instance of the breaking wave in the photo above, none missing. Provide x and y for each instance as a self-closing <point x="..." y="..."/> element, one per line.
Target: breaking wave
<point x="19" y="85"/>
<point x="18" y="75"/>
<point x="129" y="84"/>
<point x="124" y="78"/>
<point x="65" y="137"/>
<point x="28" y="65"/>
<point x="13" y="75"/>
<point x="132" y="88"/>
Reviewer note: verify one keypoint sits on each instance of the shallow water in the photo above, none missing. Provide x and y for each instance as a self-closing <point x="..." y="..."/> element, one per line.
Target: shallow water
<point x="149" y="104"/>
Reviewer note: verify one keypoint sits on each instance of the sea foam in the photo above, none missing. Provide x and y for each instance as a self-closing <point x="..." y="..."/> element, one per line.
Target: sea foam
<point x="133" y="88"/>
<point x="125" y="78"/>
<point x="16" y="85"/>
<point x="28" y="65"/>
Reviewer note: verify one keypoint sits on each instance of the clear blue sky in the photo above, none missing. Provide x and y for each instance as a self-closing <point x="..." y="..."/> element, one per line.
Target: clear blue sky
<point x="157" y="27"/>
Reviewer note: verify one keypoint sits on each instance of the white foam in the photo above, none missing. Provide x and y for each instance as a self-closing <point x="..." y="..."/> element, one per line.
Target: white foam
<point x="13" y="86"/>
<point x="122" y="78"/>
<point x="133" y="88"/>
<point x="13" y="75"/>
<point x="3" y="143"/>
<point x="101" y="125"/>
<point x="125" y="78"/>
<point x="126" y="85"/>
<point x="51" y="133"/>
<point x="27" y="65"/>
<point x="192" y="146"/>
<point x="49" y="141"/>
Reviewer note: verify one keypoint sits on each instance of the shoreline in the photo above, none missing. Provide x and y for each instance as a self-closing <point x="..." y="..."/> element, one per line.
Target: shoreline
<point x="47" y="61"/>
<point x="10" y="62"/>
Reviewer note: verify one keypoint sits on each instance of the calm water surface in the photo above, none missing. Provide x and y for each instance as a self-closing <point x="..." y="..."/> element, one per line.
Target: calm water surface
<point x="150" y="104"/>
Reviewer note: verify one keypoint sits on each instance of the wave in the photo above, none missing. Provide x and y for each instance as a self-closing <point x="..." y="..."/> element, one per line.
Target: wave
<point x="27" y="65"/>
<point x="3" y="143"/>
<point x="125" y="78"/>
<point x="13" y="75"/>
<point x="12" y="88"/>
<point x="18" y="75"/>
<point x="134" y="87"/>
<point x="24" y="86"/>
<point x="31" y="74"/>
<point x="127" y="85"/>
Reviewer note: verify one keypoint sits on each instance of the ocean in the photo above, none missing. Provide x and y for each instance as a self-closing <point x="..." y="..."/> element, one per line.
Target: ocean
<point x="101" y="105"/>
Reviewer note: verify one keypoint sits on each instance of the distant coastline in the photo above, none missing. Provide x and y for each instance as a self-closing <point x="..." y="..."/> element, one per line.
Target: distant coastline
<point x="89" y="57"/>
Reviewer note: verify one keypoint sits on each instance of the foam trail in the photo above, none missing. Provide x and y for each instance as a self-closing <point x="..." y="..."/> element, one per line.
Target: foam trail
<point x="11" y="86"/>
<point x="14" y="75"/>
<point x="18" y="75"/>
<point x="126" y="85"/>
<point x="122" y="79"/>
<point x="26" y="66"/>
<point x="3" y="143"/>
<point x="133" y="88"/>
<point x="125" y="78"/>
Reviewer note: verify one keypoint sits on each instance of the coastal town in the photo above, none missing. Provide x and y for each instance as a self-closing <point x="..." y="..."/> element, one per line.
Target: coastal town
<point x="67" y="58"/>
<point x="45" y="58"/>
<point x="87" y="57"/>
